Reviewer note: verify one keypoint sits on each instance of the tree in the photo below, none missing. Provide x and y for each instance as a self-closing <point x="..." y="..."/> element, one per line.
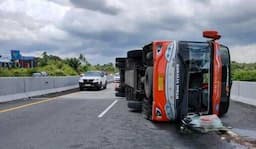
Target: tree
<point x="243" y="71"/>
<point x="54" y="58"/>
<point x="109" y="67"/>
<point x="83" y="59"/>
<point x="44" y="60"/>
<point x="74" y="63"/>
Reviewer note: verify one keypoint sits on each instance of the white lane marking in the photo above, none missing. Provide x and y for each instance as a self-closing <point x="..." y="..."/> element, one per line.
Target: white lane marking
<point x="107" y="109"/>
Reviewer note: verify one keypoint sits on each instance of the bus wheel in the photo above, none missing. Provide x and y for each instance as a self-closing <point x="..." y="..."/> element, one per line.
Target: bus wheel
<point x="147" y="109"/>
<point x="135" y="54"/>
<point x="148" y="82"/>
<point x="147" y="101"/>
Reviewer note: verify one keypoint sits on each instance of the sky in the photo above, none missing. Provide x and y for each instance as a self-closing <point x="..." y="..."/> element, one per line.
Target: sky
<point x="105" y="29"/>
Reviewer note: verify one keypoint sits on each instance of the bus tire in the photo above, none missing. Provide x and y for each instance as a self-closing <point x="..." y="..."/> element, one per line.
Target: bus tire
<point x="148" y="82"/>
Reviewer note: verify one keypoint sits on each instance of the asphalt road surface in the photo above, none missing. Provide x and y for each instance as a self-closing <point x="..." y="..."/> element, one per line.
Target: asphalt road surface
<point x="98" y="119"/>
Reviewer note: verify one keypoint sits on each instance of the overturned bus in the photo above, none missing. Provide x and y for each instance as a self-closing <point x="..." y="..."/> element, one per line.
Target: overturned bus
<point x="169" y="80"/>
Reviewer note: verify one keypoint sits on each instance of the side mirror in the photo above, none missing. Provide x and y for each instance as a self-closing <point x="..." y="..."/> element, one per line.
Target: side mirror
<point x="211" y="34"/>
<point x="81" y="75"/>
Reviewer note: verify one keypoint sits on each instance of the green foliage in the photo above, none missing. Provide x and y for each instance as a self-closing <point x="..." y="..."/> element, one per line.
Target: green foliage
<point x="84" y="68"/>
<point x="5" y="72"/>
<point x="54" y="69"/>
<point x="51" y="64"/>
<point x="74" y="63"/>
<point x="55" y="66"/>
<point x="244" y="75"/>
<point x="243" y="71"/>
<point x="18" y="72"/>
<point x="44" y="60"/>
<point x="106" y="67"/>
<point x="83" y="60"/>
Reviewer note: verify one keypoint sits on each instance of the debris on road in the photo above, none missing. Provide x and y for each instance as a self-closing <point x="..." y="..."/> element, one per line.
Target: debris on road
<point x="203" y="123"/>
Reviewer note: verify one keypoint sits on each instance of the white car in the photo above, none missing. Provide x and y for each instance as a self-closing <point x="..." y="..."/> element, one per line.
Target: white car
<point x="93" y="79"/>
<point x="40" y="74"/>
<point x="117" y="78"/>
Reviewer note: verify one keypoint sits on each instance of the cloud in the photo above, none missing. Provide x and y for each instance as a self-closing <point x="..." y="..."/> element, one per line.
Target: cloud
<point x="248" y="56"/>
<point x="111" y="7"/>
<point x="105" y="29"/>
<point x="61" y="2"/>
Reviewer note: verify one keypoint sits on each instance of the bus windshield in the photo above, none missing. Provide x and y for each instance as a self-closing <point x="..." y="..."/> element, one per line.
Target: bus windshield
<point x="196" y="59"/>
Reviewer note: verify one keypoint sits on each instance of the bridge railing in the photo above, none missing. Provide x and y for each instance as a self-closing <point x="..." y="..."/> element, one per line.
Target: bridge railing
<point x="244" y="91"/>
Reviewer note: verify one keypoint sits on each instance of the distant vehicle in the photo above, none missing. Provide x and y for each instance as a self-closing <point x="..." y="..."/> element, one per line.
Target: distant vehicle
<point x="117" y="81"/>
<point x="120" y="87"/>
<point x="40" y="74"/>
<point x="110" y="78"/>
<point x="117" y="78"/>
<point x="44" y="73"/>
<point x="93" y="79"/>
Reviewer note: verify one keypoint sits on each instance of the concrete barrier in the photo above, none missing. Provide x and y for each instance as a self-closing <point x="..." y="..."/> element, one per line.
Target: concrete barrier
<point x="244" y="91"/>
<point x="13" y="88"/>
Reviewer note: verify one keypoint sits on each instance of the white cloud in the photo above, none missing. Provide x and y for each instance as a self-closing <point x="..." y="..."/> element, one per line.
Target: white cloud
<point x="104" y="29"/>
<point x="37" y="9"/>
<point x="245" y="53"/>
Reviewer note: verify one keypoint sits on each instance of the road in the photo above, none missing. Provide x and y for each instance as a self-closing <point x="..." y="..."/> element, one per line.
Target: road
<point x="80" y="120"/>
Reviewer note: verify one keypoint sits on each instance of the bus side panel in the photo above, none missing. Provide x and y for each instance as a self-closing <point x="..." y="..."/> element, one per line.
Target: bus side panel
<point x="217" y="74"/>
<point x="160" y="64"/>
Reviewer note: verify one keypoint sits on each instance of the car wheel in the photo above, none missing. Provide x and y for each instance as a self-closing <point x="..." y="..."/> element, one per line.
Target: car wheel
<point x="105" y="86"/>
<point x="100" y="86"/>
<point x="81" y="88"/>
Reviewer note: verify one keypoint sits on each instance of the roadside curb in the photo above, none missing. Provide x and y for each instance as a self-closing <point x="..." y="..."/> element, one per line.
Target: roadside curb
<point x="244" y="100"/>
<point x="19" y="96"/>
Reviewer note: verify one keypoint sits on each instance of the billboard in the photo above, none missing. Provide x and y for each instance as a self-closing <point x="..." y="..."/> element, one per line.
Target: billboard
<point x="15" y="55"/>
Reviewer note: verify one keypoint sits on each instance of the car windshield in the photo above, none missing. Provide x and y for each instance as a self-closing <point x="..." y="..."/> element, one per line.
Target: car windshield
<point x="92" y="74"/>
<point x="117" y="75"/>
